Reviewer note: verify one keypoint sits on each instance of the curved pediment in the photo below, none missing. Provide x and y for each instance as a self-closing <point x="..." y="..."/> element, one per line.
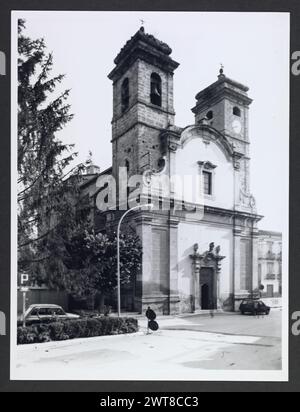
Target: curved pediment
<point x="207" y="134"/>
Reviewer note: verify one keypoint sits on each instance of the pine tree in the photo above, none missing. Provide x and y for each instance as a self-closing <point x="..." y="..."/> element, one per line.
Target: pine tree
<point x="47" y="194"/>
<point x="57" y="244"/>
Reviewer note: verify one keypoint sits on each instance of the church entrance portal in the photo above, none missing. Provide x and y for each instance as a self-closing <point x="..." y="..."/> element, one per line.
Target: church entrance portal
<point x="206" y="271"/>
<point x="207" y="298"/>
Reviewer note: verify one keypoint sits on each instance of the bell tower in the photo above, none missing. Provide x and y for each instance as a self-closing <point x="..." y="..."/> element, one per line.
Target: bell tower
<point x="225" y="106"/>
<point x="142" y="102"/>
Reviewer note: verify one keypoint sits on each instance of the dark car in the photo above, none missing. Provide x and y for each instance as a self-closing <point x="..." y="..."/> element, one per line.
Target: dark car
<point x="39" y="313"/>
<point x="254" y="307"/>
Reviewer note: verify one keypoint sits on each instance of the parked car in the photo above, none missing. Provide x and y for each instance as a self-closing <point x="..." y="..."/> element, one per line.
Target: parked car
<point x="39" y="313"/>
<point x="254" y="307"/>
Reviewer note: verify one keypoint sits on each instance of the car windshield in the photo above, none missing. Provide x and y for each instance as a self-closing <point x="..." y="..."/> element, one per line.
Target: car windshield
<point x="44" y="311"/>
<point x="47" y="312"/>
<point x="34" y="312"/>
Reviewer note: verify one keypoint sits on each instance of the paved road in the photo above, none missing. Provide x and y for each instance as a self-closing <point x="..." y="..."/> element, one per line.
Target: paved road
<point x="236" y="324"/>
<point x="265" y="352"/>
<point x="189" y="348"/>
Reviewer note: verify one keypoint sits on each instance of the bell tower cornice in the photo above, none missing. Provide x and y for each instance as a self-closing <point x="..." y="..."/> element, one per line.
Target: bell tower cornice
<point x="145" y="47"/>
<point x="224" y="87"/>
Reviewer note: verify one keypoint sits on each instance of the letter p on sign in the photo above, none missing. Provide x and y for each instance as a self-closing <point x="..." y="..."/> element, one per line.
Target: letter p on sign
<point x="24" y="278"/>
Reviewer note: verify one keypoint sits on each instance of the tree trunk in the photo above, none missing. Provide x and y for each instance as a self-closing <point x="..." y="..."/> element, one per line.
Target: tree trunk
<point x="102" y="303"/>
<point x="90" y="302"/>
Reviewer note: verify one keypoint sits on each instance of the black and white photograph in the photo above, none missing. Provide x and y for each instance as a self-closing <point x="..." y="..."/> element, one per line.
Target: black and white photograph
<point x="150" y="196"/>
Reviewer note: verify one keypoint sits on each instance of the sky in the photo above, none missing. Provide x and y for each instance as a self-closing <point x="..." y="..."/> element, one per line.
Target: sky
<point x="253" y="47"/>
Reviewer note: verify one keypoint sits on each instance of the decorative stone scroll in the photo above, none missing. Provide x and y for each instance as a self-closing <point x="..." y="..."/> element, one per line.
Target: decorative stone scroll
<point x="210" y="258"/>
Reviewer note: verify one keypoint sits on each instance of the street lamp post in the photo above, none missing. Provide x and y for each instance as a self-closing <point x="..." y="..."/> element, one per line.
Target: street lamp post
<point x="150" y="205"/>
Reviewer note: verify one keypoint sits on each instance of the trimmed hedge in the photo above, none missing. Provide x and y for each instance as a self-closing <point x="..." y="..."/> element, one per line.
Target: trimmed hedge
<point x="72" y="329"/>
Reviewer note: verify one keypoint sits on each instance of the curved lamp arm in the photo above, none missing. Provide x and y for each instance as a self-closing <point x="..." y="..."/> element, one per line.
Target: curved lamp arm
<point x="150" y="205"/>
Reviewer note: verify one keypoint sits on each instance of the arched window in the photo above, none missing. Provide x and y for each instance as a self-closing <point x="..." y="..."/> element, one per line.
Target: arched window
<point x="210" y="115"/>
<point x="155" y="90"/>
<point x="125" y="94"/>
<point x="237" y="111"/>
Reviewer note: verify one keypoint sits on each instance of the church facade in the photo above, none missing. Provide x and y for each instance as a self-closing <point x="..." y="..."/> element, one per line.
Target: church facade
<point x="191" y="261"/>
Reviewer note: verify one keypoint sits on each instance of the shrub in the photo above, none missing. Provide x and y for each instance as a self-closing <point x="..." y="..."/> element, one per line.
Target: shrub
<point x="57" y="331"/>
<point x="25" y="335"/>
<point x="77" y="328"/>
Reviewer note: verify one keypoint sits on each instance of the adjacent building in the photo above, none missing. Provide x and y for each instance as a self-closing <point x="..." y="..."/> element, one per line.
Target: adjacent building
<point x="270" y="263"/>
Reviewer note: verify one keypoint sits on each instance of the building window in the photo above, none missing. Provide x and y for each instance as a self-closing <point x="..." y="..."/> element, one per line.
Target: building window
<point x="127" y="165"/>
<point x="207" y="182"/>
<point x="270" y="246"/>
<point x="125" y="94"/>
<point x="210" y="115"/>
<point x="237" y="111"/>
<point x="155" y="89"/>
<point x="207" y="170"/>
<point x="270" y="291"/>
<point x="270" y="268"/>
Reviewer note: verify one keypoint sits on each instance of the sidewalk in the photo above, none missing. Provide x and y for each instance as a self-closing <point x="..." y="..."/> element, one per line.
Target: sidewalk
<point x="165" y="318"/>
<point x="184" y="348"/>
<point x="172" y="320"/>
<point x="163" y="355"/>
<point x="167" y="321"/>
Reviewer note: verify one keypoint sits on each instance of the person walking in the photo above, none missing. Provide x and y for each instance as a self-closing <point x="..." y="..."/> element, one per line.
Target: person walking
<point x="151" y="316"/>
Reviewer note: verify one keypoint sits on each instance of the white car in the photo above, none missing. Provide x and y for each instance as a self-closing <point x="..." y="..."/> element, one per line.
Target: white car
<point x="40" y="313"/>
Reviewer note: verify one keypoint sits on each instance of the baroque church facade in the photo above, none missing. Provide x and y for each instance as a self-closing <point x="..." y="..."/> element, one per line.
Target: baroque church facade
<point x="190" y="262"/>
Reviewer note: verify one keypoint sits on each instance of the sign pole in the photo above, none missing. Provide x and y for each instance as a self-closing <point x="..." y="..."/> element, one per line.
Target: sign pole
<point x="24" y="309"/>
<point x="24" y="289"/>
